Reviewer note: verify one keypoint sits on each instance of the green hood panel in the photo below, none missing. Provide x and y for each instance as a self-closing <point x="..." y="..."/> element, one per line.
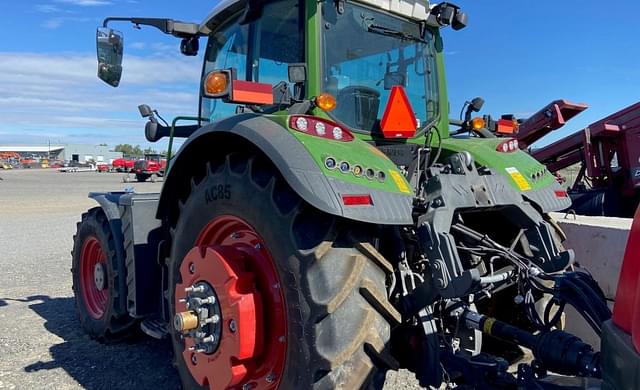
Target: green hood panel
<point x="356" y="153"/>
<point x="523" y="171"/>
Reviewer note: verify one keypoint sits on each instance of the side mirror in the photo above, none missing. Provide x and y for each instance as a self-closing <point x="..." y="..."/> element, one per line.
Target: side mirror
<point x="477" y="103"/>
<point x="110" y="49"/>
<point x="145" y="111"/>
<point x="297" y="73"/>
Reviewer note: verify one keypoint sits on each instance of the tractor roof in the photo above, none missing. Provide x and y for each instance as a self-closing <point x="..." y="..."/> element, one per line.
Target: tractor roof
<point x="415" y="9"/>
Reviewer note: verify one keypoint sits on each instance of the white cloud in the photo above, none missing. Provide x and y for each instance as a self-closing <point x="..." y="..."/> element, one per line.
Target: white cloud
<point x="85" y="3"/>
<point x="48" y="8"/>
<point x="60" y="94"/>
<point x="56" y="22"/>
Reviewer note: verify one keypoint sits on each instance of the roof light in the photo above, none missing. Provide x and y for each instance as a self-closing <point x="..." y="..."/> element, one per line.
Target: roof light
<point x="508" y="146"/>
<point x="320" y="128"/>
<point x="357" y="200"/>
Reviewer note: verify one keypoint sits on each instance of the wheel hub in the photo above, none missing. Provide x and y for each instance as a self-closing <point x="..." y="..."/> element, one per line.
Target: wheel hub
<point x="202" y="320"/>
<point x="229" y="309"/>
<point x="98" y="276"/>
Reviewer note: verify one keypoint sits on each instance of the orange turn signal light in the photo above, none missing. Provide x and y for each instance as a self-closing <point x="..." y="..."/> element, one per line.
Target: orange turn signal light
<point x="325" y="101"/>
<point x="477" y="123"/>
<point x="216" y="83"/>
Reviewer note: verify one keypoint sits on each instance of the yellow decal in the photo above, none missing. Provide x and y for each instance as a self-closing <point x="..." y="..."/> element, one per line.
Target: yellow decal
<point x="400" y="181"/>
<point x="521" y="182"/>
<point x="488" y="324"/>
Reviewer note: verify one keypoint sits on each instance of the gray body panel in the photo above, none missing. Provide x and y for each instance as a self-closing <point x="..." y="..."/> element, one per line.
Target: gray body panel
<point x="299" y="170"/>
<point x="133" y="223"/>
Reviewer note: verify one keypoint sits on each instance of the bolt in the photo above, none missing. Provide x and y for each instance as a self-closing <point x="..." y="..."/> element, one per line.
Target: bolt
<point x="281" y="339"/>
<point x="276" y="286"/>
<point x="209" y="339"/>
<point x="194" y="358"/>
<point x="258" y="246"/>
<point x="440" y="283"/>
<point x="192" y="268"/>
<point x="235" y="235"/>
<point x="246" y="386"/>
<point x="518" y="299"/>
<point x="214" y="319"/>
<point x="194" y="289"/>
<point x="232" y="326"/>
<point x="192" y="348"/>
<point x="209" y="300"/>
<point x="270" y="378"/>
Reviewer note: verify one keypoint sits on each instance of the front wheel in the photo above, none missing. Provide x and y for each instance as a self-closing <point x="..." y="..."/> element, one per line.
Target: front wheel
<point x="98" y="279"/>
<point x="268" y="292"/>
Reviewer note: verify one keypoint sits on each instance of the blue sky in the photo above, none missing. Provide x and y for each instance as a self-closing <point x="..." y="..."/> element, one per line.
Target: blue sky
<point x="518" y="55"/>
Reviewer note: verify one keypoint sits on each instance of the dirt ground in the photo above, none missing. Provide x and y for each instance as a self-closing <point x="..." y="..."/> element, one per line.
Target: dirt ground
<point x="41" y="344"/>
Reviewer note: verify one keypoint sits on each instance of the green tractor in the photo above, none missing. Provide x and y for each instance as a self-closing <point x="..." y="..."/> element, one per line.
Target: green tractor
<point x="321" y="224"/>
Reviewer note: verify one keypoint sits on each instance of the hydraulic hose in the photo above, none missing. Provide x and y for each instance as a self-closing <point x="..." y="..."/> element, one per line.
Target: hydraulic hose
<point x="556" y="350"/>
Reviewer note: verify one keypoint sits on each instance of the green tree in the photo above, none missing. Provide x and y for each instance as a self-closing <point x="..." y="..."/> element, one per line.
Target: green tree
<point x="129" y="150"/>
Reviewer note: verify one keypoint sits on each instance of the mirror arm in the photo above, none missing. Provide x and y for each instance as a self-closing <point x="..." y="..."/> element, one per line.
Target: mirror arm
<point x="167" y="26"/>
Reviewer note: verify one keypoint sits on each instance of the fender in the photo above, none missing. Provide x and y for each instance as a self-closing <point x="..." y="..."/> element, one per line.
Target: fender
<point x="299" y="159"/>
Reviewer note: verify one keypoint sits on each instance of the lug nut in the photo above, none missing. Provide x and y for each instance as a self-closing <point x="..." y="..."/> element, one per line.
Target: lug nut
<point x="232" y="326"/>
<point x="208" y="301"/>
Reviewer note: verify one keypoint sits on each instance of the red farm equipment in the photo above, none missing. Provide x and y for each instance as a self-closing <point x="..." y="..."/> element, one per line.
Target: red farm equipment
<point x="608" y="150"/>
<point x="123" y="164"/>
<point x="151" y="167"/>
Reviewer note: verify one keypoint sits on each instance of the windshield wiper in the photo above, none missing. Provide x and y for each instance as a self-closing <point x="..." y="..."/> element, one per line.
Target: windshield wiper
<point x="382" y="30"/>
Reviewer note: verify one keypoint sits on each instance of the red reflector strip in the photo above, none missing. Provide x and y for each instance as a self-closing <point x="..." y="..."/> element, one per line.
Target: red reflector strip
<point x="250" y="92"/>
<point x="506" y="127"/>
<point x="357" y="200"/>
<point x="561" y="194"/>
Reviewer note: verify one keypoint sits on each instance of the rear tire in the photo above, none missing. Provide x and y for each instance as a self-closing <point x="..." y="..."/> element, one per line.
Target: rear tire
<point x="102" y="311"/>
<point x="338" y="317"/>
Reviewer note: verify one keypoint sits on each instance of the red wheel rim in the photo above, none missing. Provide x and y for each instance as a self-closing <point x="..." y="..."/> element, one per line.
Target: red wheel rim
<point x="232" y="257"/>
<point x="92" y="255"/>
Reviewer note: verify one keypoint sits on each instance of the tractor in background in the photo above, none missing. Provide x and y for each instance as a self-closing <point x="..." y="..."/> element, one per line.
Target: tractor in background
<point x="151" y="167"/>
<point x="321" y="225"/>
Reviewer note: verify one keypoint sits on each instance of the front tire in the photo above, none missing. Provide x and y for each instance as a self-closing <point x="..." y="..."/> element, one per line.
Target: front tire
<point x="98" y="279"/>
<point x="332" y="280"/>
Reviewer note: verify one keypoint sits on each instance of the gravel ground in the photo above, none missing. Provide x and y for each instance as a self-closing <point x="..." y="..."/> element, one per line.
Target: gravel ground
<point x="41" y="344"/>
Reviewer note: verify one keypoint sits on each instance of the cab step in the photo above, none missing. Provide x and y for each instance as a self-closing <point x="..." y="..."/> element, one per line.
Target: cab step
<point x="155" y="328"/>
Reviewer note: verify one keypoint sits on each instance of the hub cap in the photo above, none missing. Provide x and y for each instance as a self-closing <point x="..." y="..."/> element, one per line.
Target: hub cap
<point x="93" y="277"/>
<point x="230" y="309"/>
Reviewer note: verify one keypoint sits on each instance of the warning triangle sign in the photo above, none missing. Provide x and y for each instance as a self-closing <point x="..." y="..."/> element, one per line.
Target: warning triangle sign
<point x="399" y="120"/>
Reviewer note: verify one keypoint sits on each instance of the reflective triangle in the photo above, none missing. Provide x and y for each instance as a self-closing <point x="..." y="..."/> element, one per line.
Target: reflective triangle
<point x="399" y="120"/>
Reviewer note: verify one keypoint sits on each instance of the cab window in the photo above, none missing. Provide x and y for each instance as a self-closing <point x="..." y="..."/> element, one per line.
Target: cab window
<point x="260" y="51"/>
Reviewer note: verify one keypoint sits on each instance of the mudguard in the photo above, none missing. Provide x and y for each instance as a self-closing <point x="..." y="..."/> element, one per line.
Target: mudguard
<point x="300" y="159"/>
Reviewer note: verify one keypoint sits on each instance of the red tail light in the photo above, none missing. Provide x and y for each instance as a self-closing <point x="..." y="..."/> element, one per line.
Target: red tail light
<point x="508" y="146"/>
<point x="357" y="200"/>
<point x="319" y="128"/>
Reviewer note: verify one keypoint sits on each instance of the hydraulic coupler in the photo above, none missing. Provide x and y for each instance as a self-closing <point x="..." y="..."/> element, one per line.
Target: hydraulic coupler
<point x="556" y="351"/>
